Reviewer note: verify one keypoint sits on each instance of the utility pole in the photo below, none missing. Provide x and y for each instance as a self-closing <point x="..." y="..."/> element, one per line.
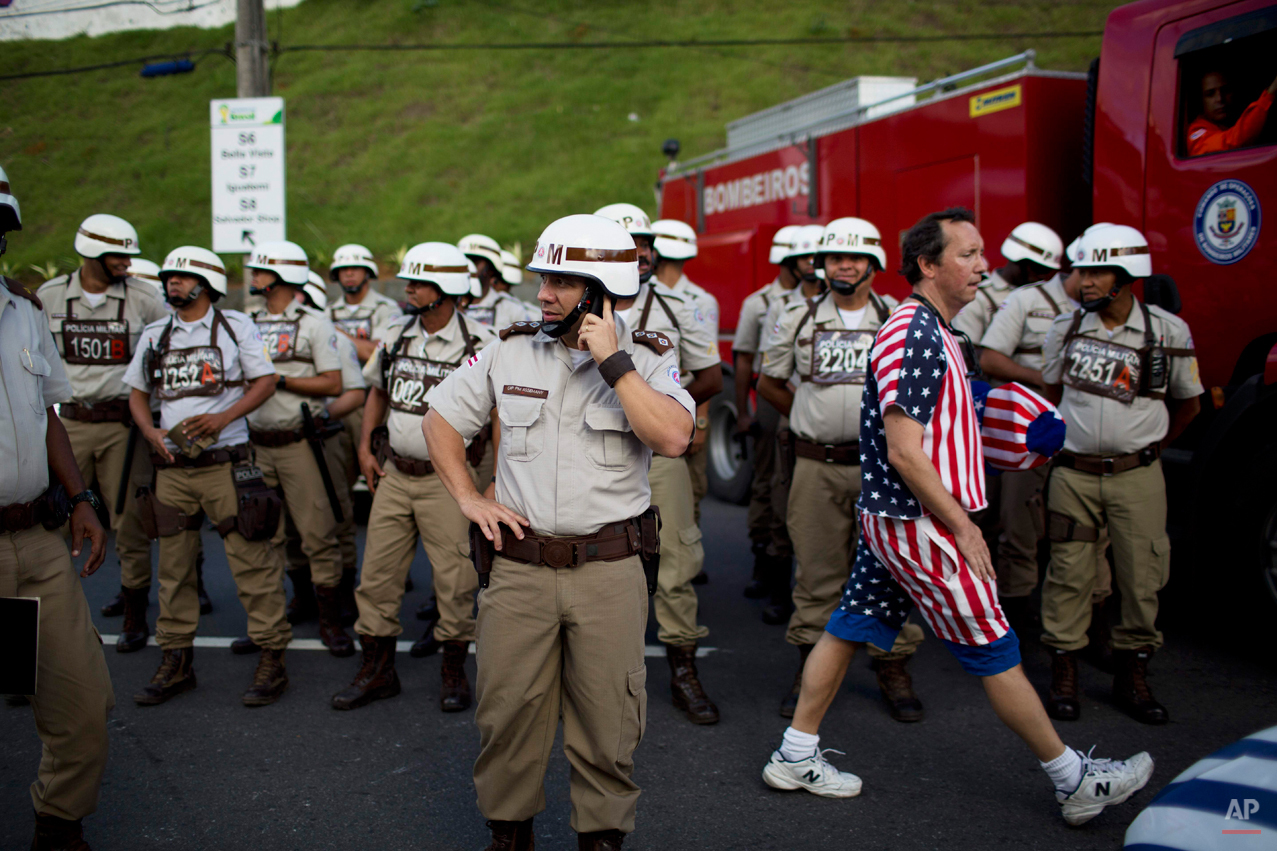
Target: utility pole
<point x="252" y="72"/>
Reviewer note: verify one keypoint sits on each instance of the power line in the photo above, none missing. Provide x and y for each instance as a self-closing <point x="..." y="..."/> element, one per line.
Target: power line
<point x="591" y="45"/>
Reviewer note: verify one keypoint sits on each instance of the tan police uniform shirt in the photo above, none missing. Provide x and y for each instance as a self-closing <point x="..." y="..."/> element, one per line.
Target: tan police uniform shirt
<point x="695" y="344"/>
<point x="704" y="305"/>
<point x="302" y="343"/>
<point x="1019" y="327"/>
<point x="973" y="320"/>
<point x="771" y="321"/>
<point x="569" y="460"/>
<point x="97" y="343"/>
<point x="243" y="358"/>
<point x="1098" y="425"/>
<point x="352" y="372"/>
<point x="32" y="379"/>
<point x="500" y="310"/>
<point x="828" y="362"/>
<point x="367" y="320"/>
<point x="422" y="362"/>
<point x="753" y="315"/>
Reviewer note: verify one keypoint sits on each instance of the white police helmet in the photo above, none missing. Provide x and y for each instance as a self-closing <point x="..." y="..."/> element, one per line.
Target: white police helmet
<point x="782" y="242"/>
<point x="10" y="213"/>
<point x="511" y="271"/>
<point x="851" y="235"/>
<point x="674" y="240"/>
<point x="595" y="247"/>
<point x="102" y="233"/>
<point x="1035" y="242"/>
<point x="196" y="261"/>
<point x="352" y="254"/>
<point x="145" y="270"/>
<point x="316" y="290"/>
<point x="630" y="217"/>
<point x="1118" y="246"/>
<point x="477" y="245"/>
<point x="440" y="264"/>
<point x="286" y="259"/>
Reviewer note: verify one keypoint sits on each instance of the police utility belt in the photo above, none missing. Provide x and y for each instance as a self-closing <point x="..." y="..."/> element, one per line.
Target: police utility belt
<point x="284" y="437"/>
<point x="258" y="506"/>
<point x="110" y="411"/>
<point x="1109" y="465"/>
<point x="830" y="453"/>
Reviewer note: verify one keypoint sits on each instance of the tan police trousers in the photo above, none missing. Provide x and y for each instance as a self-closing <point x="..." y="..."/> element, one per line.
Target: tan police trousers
<point x="293" y="470"/>
<point x="73" y="688"/>
<point x="563" y="642"/>
<point x="822" y="523"/>
<point x="698" y="469"/>
<point x="1023" y="518"/>
<point x="682" y="554"/>
<point x="403" y="507"/>
<point x="1133" y="504"/>
<point x="767" y="496"/>
<point x="99" y="450"/>
<point x="256" y="566"/>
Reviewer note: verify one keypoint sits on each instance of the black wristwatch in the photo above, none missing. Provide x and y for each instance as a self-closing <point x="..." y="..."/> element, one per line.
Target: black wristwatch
<point x="279" y="383"/>
<point x="87" y="495"/>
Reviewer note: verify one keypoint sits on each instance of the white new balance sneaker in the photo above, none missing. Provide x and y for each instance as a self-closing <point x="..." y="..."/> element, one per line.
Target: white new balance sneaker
<point x="814" y="774"/>
<point x="1105" y="782"/>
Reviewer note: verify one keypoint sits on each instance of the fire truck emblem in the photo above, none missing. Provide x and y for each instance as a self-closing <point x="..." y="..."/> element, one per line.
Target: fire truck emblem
<point x="1226" y="222"/>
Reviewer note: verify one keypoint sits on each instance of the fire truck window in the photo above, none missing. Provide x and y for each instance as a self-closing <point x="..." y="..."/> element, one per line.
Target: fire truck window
<point x="1227" y="96"/>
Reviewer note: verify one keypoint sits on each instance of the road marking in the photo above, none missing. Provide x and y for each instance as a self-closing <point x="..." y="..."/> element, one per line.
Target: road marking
<point x="400" y="646"/>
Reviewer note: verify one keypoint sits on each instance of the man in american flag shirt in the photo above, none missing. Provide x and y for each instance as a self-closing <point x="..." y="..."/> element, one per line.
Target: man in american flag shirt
<point x="923" y="473"/>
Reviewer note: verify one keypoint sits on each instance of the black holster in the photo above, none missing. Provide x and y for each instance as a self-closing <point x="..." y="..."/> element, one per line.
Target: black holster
<point x="163" y="521"/>
<point x="379" y="445"/>
<point x="1061" y="528"/>
<point x="788" y="455"/>
<point x="479" y="446"/>
<point x="481" y="554"/>
<point x="650" y="546"/>
<point x="259" y="506"/>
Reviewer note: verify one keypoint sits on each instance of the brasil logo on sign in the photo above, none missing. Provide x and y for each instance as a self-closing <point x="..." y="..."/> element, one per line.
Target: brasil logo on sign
<point x="1226" y="222"/>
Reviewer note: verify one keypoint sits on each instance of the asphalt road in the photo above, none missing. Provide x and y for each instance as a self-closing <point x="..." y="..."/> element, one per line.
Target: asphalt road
<point x="204" y="772"/>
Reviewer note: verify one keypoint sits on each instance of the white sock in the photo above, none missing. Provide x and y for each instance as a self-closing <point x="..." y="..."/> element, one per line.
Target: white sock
<point x="1065" y="770"/>
<point x="798" y="745"/>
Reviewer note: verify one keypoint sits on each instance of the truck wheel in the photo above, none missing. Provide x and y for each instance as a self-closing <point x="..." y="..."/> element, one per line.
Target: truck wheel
<point x="730" y="472"/>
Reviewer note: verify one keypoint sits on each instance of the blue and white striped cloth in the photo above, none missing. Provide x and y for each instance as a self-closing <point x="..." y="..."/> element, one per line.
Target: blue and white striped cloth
<point x="1226" y="801"/>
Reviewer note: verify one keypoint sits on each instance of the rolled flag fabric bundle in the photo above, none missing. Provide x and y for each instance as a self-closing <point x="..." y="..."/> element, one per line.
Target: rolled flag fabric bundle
<point x="1020" y="430"/>
<point x="1227" y="800"/>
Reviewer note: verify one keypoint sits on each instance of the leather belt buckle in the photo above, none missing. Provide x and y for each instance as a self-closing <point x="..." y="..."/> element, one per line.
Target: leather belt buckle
<point x="557" y="554"/>
<point x="829" y="453"/>
<point x="1107" y="466"/>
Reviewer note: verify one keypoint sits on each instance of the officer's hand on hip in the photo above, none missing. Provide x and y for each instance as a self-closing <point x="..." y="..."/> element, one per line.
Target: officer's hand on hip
<point x="598" y="333"/>
<point x="975" y="551"/>
<point x="84" y="523"/>
<point x="155" y="437"/>
<point x="490" y="514"/>
<point x="370" y="468"/>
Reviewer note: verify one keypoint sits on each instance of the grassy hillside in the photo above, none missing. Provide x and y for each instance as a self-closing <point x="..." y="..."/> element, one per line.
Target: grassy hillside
<point x="392" y="148"/>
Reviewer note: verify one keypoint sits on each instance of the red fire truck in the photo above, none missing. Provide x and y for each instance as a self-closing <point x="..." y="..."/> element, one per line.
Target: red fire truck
<point x="1015" y="142"/>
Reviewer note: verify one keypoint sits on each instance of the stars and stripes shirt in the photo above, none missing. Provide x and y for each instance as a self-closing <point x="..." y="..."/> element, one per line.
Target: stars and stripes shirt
<point x="917" y="365"/>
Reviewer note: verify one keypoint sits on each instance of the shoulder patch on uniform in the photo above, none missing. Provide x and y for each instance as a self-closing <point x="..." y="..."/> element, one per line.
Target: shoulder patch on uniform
<point x="20" y="291"/>
<point x="654" y="340"/>
<point x="521" y="327"/>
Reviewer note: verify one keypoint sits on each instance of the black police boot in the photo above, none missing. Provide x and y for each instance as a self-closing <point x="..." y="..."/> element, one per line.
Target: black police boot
<point x="245" y="646"/>
<point x="756" y="588"/>
<point x="56" y="834"/>
<point x="511" y="836"/>
<point x="134" y="631"/>
<point x="1099" y="641"/>
<point x="685" y="685"/>
<point x="1062" y="700"/>
<point x="897" y="689"/>
<point x="206" y="605"/>
<point x="781" y="606"/>
<point x="600" y="840"/>
<point x="331" y="633"/>
<point x="115" y="607"/>
<point x="376" y="678"/>
<point x="302" y="607"/>
<point x="454" y="695"/>
<point x="269" y="680"/>
<point x="346" y="597"/>
<point x="701" y="578"/>
<point x="175" y="675"/>
<point x="789" y="703"/>
<point x="1130" y="687"/>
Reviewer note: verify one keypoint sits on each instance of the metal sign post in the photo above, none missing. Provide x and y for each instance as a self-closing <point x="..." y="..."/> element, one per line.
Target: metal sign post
<point x="248" y="172"/>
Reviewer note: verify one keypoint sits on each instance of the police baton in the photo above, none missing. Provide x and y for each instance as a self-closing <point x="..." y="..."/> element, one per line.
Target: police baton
<point x="317" y="449"/>
<point x="125" y="477"/>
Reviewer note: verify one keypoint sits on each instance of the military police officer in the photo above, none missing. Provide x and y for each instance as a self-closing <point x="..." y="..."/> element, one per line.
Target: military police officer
<point x="1125" y="377"/>
<point x="584" y="403"/>
<point x="419" y="351"/>
<point x="493" y="306"/>
<point x="209" y="368"/>
<point x="675" y="243"/>
<point x="288" y="430"/>
<point x="1032" y="252"/>
<point x="362" y="313"/>
<point x="655" y="309"/>
<point x="822" y="345"/>
<point x="73" y="693"/>
<point x="96" y="314"/>
<point x="769" y="540"/>
<point x="1011" y="350"/>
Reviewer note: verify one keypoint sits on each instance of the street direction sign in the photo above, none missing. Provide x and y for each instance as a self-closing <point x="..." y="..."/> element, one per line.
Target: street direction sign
<point x="248" y="173"/>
